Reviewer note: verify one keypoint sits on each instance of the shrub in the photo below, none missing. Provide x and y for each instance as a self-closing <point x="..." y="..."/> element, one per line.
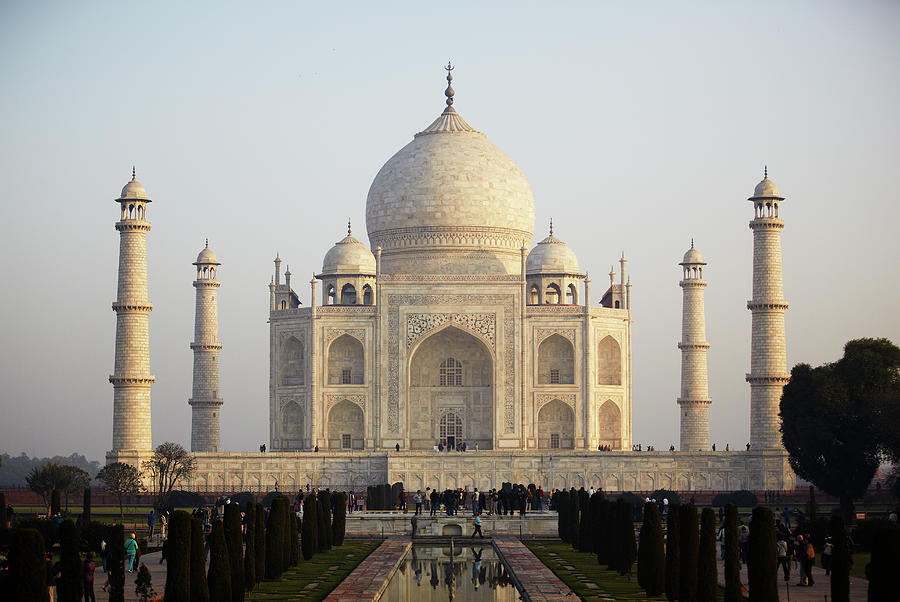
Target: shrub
<point x="732" y="556"/>
<point x="68" y="586"/>
<point x="284" y="507"/>
<point x="396" y="488"/>
<point x="885" y="560"/>
<point x="260" y="535"/>
<point x="115" y="563"/>
<point x="242" y="499"/>
<point x="562" y="515"/>
<point x="673" y="551"/>
<point x="309" y="542"/>
<point x="185" y="499"/>
<point x="651" y="553"/>
<point x="707" y="574"/>
<point x="325" y="514"/>
<point x="637" y="504"/>
<point x="864" y="532"/>
<point x="235" y="543"/>
<point x="664" y="494"/>
<point x="762" y="565"/>
<point x="27" y="578"/>
<point x="741" y="499"/>
<point x="339" y="522"/>
<point x="48" y="529"/>
<point x="840" y="561"/>
<point x="690" y="552"/>
<point x="143" y="584"/>
<point x="178" y="558"/>
<point x="294" y="539"/>
<point x="199" y="586"/>
<point x="219" y="576"/>
<point x="250" y="551"/>
<point x="812" y="508"/>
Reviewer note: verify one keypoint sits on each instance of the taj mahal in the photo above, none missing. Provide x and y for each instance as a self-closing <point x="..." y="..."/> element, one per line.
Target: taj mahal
<point x="448" y="328"/>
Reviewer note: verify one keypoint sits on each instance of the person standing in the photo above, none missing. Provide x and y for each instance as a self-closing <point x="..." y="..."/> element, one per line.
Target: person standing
<point x="88" y="578"/>
<point x="435" y="501"/>
<point x="475" y="502"/>
<point x="807" y="560"/>
<point x="163" y="523"/>
<point x="151" y="522"/>
<point x="414" y="521"/>
<point x="478" y="527"/>
<point x="784" y="560"/>
<point x="131" y="547"/>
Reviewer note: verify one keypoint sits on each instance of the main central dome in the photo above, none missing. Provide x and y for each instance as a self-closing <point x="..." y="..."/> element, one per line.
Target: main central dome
<point x="450" y="202"/>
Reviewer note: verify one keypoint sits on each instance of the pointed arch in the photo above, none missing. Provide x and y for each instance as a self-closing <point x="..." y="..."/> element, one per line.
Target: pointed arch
<point x="346" y="361"/>
<point x="571" y="294"/>
<point x="556" y="361"/>
<point x="291" y="363"/>
<point x="609" y="424"/>
<point x="368" y="295"/>
<point x="609" y="362"/>
<point x="556" y="426"/>
<point x="552" y="294"/>
<point x="346" y="426"/>
<point x="348" y="294"/>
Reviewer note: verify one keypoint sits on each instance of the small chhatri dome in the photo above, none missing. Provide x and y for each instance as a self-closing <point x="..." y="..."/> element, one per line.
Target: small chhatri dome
<point x="206" y="256"/>
<point x="348" y="256"/>
<point x="552" y="256"/>
<point x="766" y="189"/>
<point x="134" y="190"/>
<point x="692" y="256"/>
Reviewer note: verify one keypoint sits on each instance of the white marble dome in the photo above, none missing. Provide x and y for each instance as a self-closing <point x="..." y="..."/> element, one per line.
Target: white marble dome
<point x="766" y="189"/>
<point x="551" y="256"/>
<point x="207" y="256"/>
<point x="693" y="256"/>
<point x="348" y="256"/>
<point x="453" y="193"/>
<point x="134" y="190"/>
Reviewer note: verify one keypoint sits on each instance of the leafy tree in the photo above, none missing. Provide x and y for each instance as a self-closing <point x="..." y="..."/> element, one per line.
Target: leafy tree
<point x="260" y="535"/>
<point x="169" y="465"/>
<point x="594" y="513"/>
<point x="27" y="578"/>
<point x="762" y="567"/>
<point x="74" y="480"/>
<point x="707" y="574"/>
<point x="840" y="562"/>
<point x="68" y="586"/>
<point x="339" y="521"/>
<point x="143" y="584"/>
<point x="690" y="552"/>
<point x="45" y="479"/>
<point x="673" y="551"/>
<point x="199" y="585"/>
<point x="250" y="551"/>
<point x="178" y="558"/>
<point x="309" y="542"/>
<point x="732" y="556"/>
<point x="219" y="576"/>
<point x="885" y="560"/>
<point x="840" y="420"/>
<point x="234" y="540"/>
<point x="651" y="552"/>
<point x="121" y="479"/>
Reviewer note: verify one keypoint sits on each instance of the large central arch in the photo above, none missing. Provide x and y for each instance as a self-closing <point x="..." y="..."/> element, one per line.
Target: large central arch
<point x="451" y="371"/>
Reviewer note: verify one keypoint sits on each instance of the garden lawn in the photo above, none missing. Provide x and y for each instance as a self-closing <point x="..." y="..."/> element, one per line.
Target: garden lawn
<point x="591" y="581"/>
<point x="314" y="579"/>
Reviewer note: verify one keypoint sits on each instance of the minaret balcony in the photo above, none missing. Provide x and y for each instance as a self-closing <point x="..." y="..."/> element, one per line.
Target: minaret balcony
<point x="133" y="225"/>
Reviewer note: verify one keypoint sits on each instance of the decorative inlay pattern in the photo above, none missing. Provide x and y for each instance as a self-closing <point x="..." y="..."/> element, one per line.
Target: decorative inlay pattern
<point x="555" y="309"/>
<point x="332" y="399"/>
<point x="541" y="399"/>
<point x="333" y="333"/>
<point x="452" y="236"/>
<point x="542" y="333"/>
<point x="284" y="335"/>
<point x="451" y="277"/>
<point x="508" y="344"/>
<point x="284" y="401"/>
<point x="418" y="325"/>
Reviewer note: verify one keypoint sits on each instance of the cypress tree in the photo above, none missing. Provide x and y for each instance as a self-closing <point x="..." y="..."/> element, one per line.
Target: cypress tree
<point x="690" y="553"/>
<point x="68" y="586"/>
<point x="615" y="542"/>
<point x="732" y="556"/>
<point x="219" y="576"/>
<point x="85" y="508"/>
<point x="250" y="551"/>
<point x="234" y="541"/>
<point x="594" y="512"/>
<point x="395" y="490"/>
<point x="762" y="564"/>
<point x="562" y="515"/>
<point x="339" y="521"/>
<point x="308" y="542"/>
<point x="707" y="574"/>
<point x="295" y="540"/>
<point x="284" y="506"/>
<point x="584" y="521"/>
<point x="178" y="558"/>
<point x="572" y="516"/>
<point x="274" y="545"/>
<point x="603" y="546"/>
<point x="673" y="551"/>
<point x="812" y="508"/>
<point x="325" y="510"/>
<point x="3" y="517"/>
<point x="27" y="578"/>
<point x="386" y="502"/>
<point x="653" y="551"/>
<point x="625" y="532"/>
<point x="321" y="537"/>
<point x="260" y="536"/>
<point x="840" y="561"/>
<point x="199" y="587"/>
<point x="115" y="563"/>
<point x="885" y="560"/>
<point x="54" y="502"/>
<point x="369" y="498"/>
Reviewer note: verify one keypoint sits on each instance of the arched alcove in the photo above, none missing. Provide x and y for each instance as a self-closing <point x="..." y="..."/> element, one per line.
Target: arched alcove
<point x="556" y="426"/>
<point x="346" y="365"/>
<point x="346" y="426"/>
<point x="556" y="361"/>
<point x="451" y="371"/>
<point x="552" y="295"/>
<point x="348" y="295"/>
<point x="571" y="295"/>
<point x="291" y="363"/>
<point x="291" y="425"/>
<point x="368" y="296"/>
<point x="609" y="424"/>
<point x="609" y="362"/>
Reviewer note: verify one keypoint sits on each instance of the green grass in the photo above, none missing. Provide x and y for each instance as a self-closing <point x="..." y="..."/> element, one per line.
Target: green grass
<point x="860" y="560"/>
<point x="325" y="570"/>
<point x="585" y="570"/>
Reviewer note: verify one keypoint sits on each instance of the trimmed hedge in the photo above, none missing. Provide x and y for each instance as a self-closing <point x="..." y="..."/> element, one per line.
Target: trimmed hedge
<point x="27" y="579"/>
<point x="885" y="560"/>
<point x="840" y="561"/>
<point x="690" y="552"/>
<point x="235" y="543"/>
<point x="178" y="558"/>
<point x="762" y="564"/>
<point x="707" y="574"/>
<point x="260" y="536"/>
<point x="651" y="552"/>
<point x="294" y="539"/>
<point x="673" y="551"/>
<point x="732" y="556"/>
<point x="199" y="585"/>
<point x="219" y="576"/>
<point x="584" y="521"/>
<point x="562" y="515"/>
<point x="339" y="522"/>
<point x="572" y="517"/>
<point x="250" y="552"/>
<point x="85" y="507"/>
<point x="115" y="563"/>
<point x="68" y="585"/>
<point x="309" y="541"/>
<point x="275" y="530"/>
<point x="740" y="498"/>
<point x="325" y="519"/>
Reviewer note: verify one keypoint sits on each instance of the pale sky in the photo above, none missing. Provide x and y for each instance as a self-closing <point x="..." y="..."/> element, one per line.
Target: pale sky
<point x="262" y="125"/>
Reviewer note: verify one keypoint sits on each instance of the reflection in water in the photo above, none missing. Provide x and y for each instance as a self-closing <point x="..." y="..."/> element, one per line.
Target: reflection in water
<point x="429" y="574"/>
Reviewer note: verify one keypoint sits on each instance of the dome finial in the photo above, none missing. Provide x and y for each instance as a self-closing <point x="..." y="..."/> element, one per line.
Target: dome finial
<point x="449" y="91"/>
<point x="765" y="172"/>
<point x="551" y="226"/>
<point x="207" y="243"/>
<point x="692" y="242"/>
<point x="348" y="227"/>
<point x="133" y="173"/>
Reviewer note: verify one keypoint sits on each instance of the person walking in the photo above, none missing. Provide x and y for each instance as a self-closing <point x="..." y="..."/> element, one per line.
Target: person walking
<point x="475" y="502"/>
<point x="784" y="560"/>
<point x="131" y="548"/>
<point x="807" y="560"/>
<point x="151" y="522"/>
<point x="414" y="522"/>
<point x="478" y="527"/>
<point x="88" y="578"/>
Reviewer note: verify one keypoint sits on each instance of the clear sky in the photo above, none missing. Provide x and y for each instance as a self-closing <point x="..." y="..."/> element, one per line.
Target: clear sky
<point x="261" y="125"/>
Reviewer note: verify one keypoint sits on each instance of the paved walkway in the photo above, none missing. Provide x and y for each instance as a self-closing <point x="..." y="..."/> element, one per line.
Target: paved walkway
<point x="157" y="575"/>
<point x="821" y="590"/>
<point x="369" y="579"/>
<point x="534" y="579"/>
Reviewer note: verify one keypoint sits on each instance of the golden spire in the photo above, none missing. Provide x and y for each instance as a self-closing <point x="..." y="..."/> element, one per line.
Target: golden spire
<point x="449" y="91"/>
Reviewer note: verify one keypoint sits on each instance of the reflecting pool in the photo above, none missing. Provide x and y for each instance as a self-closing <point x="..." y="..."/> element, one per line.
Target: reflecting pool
<point x="473" y="573"/>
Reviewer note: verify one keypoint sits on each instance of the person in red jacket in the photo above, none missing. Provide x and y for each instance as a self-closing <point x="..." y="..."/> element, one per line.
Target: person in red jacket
<point x="88" y="578"/>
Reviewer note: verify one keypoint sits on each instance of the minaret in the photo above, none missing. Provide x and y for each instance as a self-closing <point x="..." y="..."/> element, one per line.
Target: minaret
<point x="131" y="378"/>
<point x="694" y="401"/>
<point x="205" y="401"/>
<point x="768" y="366"/>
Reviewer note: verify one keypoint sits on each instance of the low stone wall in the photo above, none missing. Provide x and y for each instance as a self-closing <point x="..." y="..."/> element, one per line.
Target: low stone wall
<point x="387" y="525"/>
